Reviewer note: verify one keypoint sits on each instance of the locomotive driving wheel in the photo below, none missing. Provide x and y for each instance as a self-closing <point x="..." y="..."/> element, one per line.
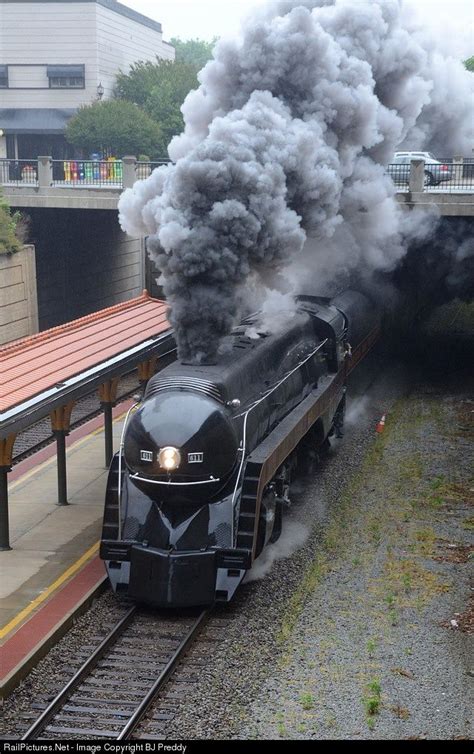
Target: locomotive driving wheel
<point x="274" y="499"/>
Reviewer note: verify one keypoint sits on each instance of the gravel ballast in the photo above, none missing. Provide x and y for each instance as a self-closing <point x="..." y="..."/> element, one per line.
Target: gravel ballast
<point x="381" y="648"/>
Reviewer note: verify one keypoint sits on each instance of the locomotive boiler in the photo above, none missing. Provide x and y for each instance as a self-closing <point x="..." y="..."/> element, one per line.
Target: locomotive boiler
<point x="201" y="479"/>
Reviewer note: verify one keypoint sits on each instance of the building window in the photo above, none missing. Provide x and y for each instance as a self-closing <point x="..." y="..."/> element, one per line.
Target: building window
<point x="66" y="76"/>
<point x="3" y="77"/>
<point x="66" y="82"/>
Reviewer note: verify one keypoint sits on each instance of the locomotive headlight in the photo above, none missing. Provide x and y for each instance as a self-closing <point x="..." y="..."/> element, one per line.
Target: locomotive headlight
<point x="169" y="458"/>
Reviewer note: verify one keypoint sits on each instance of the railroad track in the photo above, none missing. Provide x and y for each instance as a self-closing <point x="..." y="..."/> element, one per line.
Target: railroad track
<point x="113" y="690"/>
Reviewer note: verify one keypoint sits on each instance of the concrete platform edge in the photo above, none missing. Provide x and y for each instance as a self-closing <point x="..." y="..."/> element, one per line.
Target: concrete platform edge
<point x="21" y="670"/>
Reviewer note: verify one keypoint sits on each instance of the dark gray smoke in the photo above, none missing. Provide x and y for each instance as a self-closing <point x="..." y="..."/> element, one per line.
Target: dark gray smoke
<point x="285" y="143"/>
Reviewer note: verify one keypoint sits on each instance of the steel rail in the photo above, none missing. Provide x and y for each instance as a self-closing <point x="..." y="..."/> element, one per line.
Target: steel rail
<point x="162" y="679"/>
<point x="61" y="698"/>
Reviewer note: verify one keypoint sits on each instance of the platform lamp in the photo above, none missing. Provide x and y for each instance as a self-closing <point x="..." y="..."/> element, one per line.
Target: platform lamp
<point x="100" y="91"/>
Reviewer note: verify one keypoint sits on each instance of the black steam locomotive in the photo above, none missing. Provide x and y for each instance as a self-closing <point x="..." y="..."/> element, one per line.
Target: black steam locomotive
<point x="202" y="476"/>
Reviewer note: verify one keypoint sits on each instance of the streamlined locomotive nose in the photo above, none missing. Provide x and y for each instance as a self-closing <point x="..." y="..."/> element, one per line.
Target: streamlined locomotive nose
<point x="181" y="437"/>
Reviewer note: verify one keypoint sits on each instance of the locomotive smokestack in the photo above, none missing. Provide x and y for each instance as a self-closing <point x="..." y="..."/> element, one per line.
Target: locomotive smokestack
<point x="286" y="140"/>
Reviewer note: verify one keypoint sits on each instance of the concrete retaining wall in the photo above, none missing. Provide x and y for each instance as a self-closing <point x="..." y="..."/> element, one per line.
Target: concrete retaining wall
<point x="84" y="262"/>
<point x="18" y="300"/>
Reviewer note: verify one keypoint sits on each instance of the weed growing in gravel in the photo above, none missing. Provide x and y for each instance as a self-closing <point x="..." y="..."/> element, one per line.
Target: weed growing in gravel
<point x="374" y="532"/>
<point x="280" y="724"/>
<point x="372" y="701"/>
<point x="307" y="700"/>
<point x="371" y="647"/>
<point x="425" y="542"/>
<point x="393" y="617"/>
<point x="312" y="577"/>
<point x="443" y="492"/>
<point x="406" y="580"/>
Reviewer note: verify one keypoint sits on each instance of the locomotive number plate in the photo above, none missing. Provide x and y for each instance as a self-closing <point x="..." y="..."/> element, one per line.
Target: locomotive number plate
<point x="195" y="457"/>
<point x="146" y="455"/>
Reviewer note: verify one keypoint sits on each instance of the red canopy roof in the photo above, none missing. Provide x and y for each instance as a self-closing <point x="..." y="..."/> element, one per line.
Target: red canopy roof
<point x="31" y="365"/>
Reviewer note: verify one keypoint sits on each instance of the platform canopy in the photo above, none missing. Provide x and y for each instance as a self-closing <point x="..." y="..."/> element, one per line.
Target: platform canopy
<point x="46" y="370"/>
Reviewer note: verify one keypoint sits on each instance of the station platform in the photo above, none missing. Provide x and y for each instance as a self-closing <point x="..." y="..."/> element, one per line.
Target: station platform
<point x="53" y="569"/>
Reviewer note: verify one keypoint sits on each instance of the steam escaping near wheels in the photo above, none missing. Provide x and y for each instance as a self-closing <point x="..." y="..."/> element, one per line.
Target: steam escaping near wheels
<point x="284" y="148"/>
<point x="293" y="537"/>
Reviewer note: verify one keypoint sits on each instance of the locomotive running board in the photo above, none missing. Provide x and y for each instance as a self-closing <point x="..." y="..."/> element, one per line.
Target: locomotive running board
<point x="266" y="459"/>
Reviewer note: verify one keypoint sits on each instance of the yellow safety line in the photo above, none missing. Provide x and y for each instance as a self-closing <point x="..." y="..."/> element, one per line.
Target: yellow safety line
<point x="51" y="460"/>
<point x="75" y="566"/>
<point x="50" y="589"/>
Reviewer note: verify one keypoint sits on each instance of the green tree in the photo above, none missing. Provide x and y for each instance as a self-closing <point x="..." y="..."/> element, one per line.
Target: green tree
<point x="195" y="52"/>
<point x="160" y="89"/>
<point x="9" y="241"/>
<point x="469" y="63"/>
<point x="114" y="126"/>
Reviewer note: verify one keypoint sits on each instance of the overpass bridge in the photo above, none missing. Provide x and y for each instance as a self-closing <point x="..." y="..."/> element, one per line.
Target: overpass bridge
<point x="97" y="185"/>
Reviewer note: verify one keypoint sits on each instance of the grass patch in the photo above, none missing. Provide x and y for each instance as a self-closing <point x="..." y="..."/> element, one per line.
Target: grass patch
<point x="311" y="579"/>
<point x="371" y="647"/>
<point x="406" y="583"/>
<point x="372" y="700"/>
<point x="442" y="492"/>
<point x="307" y="700"/>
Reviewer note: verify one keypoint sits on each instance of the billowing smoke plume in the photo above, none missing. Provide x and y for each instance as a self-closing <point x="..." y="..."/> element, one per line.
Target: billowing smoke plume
<point x="285" y="143"/>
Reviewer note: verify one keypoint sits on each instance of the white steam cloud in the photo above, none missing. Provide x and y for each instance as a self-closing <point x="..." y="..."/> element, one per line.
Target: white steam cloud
<point x="293" y="536"/>
<point x="285" y="142"/>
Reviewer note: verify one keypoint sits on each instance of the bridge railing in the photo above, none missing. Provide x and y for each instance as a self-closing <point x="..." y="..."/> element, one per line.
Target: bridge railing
<point x="144" y="169"/>
<point x="451" y="175"/>
<point x="45" y="172"/>
<point x="446" y="175"/>
<point x="87" y="173"/>
<point x="18" y="172"/>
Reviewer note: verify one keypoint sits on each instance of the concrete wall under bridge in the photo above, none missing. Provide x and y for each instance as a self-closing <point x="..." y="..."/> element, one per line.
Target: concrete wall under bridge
<point x="84" y="262"/>
<point x="18" y="303"/>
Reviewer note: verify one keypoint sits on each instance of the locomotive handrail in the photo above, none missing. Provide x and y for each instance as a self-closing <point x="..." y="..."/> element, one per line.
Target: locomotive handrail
<point x="283" y="379"/>
<point x="254" y="405"/>
<point x="119" y="484"/>
<point x="173" y="484"/>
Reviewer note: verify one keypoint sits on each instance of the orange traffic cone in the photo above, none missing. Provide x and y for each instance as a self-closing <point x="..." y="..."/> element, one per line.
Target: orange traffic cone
<point x="381" y="424"/>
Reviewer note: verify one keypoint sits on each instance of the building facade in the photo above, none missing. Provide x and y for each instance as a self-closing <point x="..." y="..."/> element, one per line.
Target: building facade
<point x="56" y="55"/>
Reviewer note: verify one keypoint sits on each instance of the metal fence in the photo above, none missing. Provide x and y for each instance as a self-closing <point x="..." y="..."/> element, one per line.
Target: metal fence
<point x="18" y="172"/>
<point x="144" y="169"/>
<point x="400" y="174"/>
<point x="75" y="173"/>
<point x="88" y="173"/>
<point x="444" y="176"/>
